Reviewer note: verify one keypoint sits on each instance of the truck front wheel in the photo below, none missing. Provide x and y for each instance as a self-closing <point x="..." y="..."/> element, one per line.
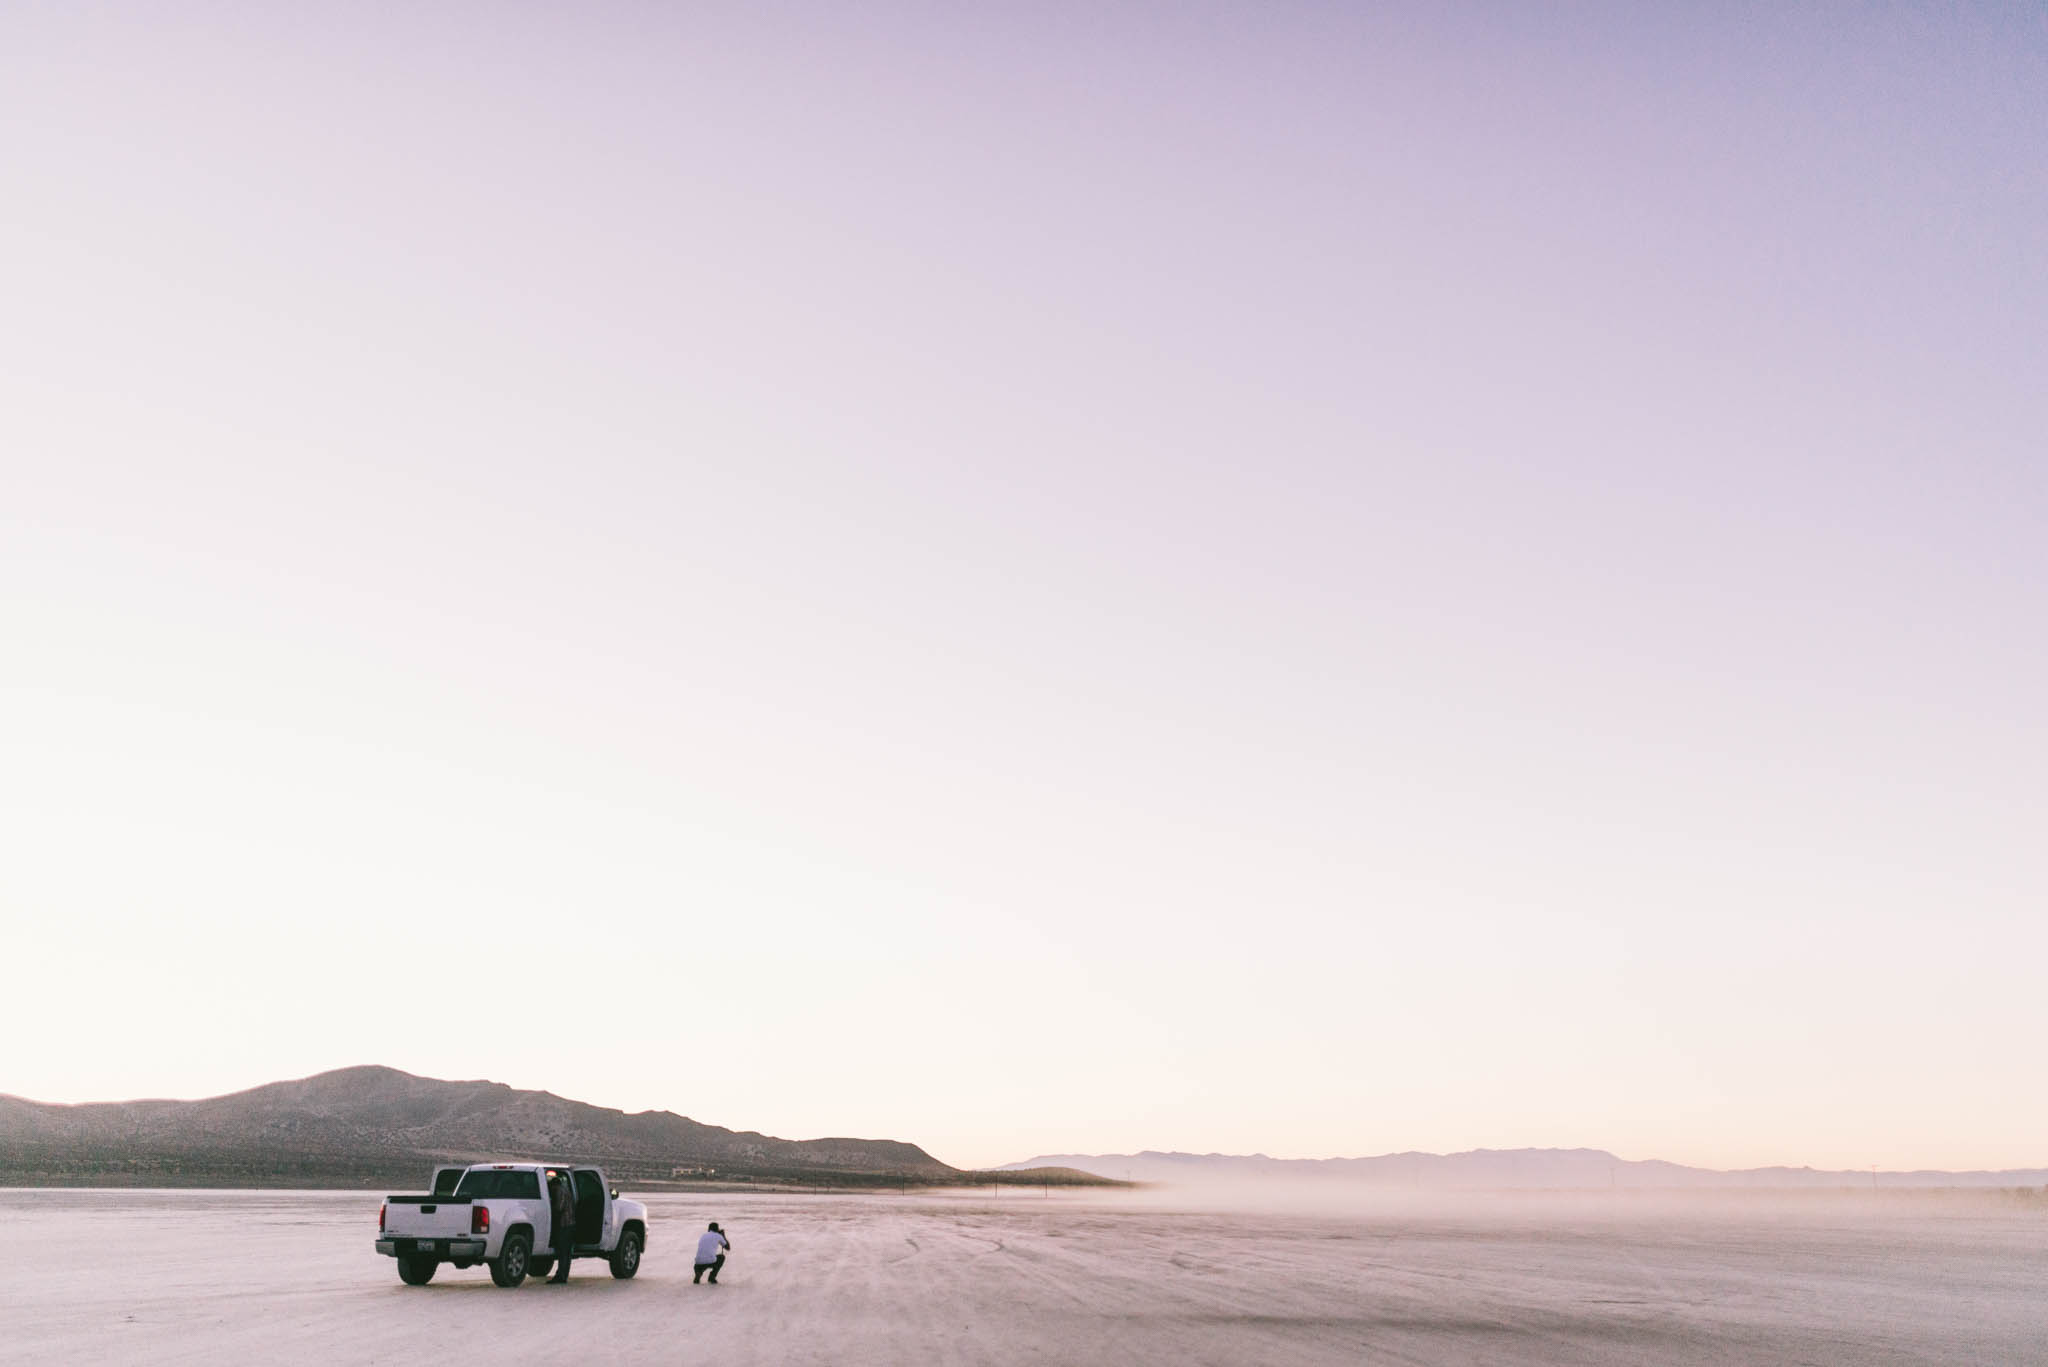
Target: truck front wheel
<point x="626" y="1258"/>
<point x="414" y="1270"/>
<point x="508" y="1269"/>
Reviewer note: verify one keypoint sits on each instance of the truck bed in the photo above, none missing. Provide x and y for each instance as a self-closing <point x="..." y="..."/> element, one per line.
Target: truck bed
<point x="432" y="1200"/>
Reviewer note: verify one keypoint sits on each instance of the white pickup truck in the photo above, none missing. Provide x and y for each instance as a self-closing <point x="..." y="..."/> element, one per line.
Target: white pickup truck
<point x="498" y="1214"/>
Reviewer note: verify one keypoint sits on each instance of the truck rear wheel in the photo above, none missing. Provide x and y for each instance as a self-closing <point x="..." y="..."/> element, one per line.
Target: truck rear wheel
<point x="414" y="1270"/>
<point x="626" y="1257"/>
<point x="508" y="1269"/>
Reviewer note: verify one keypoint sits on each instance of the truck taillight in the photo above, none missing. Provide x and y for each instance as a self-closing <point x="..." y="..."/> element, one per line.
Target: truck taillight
<point x="380" y="1216"/>
<point x="479" y="1219"/>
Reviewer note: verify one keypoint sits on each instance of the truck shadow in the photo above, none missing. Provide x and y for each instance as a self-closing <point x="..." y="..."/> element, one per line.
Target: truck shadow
<point x="459" y="1285"/>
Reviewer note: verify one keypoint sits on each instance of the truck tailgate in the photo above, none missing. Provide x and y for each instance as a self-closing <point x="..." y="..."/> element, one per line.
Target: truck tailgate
<point x="425" y="1217"/>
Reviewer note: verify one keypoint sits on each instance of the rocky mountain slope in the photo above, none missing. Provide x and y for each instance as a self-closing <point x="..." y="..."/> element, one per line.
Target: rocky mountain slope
<point x="375" y="1125"/>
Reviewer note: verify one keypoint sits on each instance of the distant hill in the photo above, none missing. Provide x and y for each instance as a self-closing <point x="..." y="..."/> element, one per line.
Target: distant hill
<point x="1496" y="1169"/>
<point x="378" y="1126"/>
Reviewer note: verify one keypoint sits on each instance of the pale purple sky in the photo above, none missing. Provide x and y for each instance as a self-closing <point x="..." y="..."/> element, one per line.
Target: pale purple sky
<point x="1028" y="578"/>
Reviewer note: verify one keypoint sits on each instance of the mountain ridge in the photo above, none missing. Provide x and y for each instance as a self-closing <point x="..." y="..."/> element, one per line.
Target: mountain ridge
<point x="1531" y="1169"/>
<point x="374" y="1122"/>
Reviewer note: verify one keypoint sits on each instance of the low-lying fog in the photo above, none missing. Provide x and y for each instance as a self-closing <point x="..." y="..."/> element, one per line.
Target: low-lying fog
<point x="1226" y="1276"/>
<point x="1370" y="1200"/>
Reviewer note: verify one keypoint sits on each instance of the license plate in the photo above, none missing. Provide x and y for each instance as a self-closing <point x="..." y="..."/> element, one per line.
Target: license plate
<point x="423" y="1245"/>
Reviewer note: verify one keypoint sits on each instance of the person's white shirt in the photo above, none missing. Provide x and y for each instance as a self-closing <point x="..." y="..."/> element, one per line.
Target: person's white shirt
<point x="709" y="1244"/>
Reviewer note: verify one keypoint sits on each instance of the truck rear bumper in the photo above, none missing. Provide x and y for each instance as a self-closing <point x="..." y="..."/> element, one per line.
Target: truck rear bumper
<point x="432" y="1248"/>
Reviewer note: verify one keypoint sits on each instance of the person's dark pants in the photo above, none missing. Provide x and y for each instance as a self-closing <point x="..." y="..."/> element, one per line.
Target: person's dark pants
<point x="563" y="1242"/>
<point x="711" y="1267"/>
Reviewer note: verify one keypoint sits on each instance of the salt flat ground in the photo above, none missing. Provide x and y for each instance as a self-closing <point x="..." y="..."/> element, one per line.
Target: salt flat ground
<point x="232" y="1277"/>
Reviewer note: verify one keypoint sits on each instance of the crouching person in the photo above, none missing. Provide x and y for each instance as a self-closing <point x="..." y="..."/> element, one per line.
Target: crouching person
<point x="711" y="1249"/>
